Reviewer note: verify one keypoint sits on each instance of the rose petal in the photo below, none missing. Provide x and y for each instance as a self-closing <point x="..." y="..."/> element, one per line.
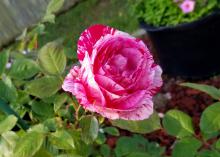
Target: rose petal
<point x="89" y="38"/>
<point x="141" y="112"/>
<point x="109" y="84"/>
<point x="87" y="77"/>
<point x="128" y="102"/>
<point x="157" y="80"/>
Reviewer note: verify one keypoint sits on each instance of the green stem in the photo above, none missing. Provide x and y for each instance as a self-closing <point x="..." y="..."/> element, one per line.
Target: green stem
<point x="8" y="110"/>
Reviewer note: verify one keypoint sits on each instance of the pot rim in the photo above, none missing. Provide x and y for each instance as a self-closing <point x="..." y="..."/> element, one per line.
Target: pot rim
<point x="192" y="24"/>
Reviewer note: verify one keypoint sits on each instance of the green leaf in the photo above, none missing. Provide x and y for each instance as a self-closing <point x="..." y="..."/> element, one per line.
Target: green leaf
<point x="101" y="139"/>
<point x="23" y="69"/>
<point x="43" y="153"/>
<point x="8" y="123"/>
<point x="217" y="144"/>
<point x="39" y="128"/>
<point x="139" y="154"/>
<point x="44" y="87"/>
<point x="52" y="59"/>
<point x="52" y="124"/>
<point x="83" y="149"/>
<point x="137" y="144"/>
<point x="210" y="119"/>
<point x="90" y="128"/>
<point x="3" y="61"/>
<point x="208" y="153"/>
<point x="105" y="150"/>
<point x="7" y="90"/>
<point x="112" y="131"/>
<point x="42" y="110"/>
<point x="61" y="139"/>
<point x="59" y="101"/>
<point x="54" y="6"/>
<point x="186" y="147"/>
<point x="143" y="126"/>
<point x="210" y="90"/>
<point x="7" y="143"/>
<point x="29" y="144"/>
<point x="178" y="123"/>
<point x="68" y="155"/>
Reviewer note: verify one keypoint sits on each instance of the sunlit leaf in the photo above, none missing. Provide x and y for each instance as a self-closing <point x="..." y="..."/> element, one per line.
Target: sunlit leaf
<point x="178" y="123"/>
<point x="210" y="120"/>
<point x="52" y="59"/>
<point x="7" y="124"/>
<point x="29" y="144"/>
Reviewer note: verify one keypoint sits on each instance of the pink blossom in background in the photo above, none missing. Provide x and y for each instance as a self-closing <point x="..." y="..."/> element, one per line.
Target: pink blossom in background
<point x="187" y="6"/>
<point x="117" y="77"/>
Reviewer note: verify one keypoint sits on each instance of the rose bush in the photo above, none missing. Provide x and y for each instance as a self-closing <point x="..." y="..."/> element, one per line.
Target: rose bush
<point x="117" y="77"/>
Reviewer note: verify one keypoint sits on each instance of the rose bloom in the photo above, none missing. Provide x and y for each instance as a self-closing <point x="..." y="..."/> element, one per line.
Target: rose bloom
<point x="117" y="77"/>
<point x="187" y="6"/>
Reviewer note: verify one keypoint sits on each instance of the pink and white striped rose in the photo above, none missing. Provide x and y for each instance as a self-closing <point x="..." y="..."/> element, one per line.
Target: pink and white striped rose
<point x="117" y="77"/>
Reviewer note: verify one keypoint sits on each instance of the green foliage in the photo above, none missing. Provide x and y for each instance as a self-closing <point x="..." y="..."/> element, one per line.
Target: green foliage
<point x="52" y="59"/>
<point x="210" y="120"/>
<point x="168" y="13"/>
<point x="186" y="147"/>
<point x="208" y="153"/>
<point x="131" y="146"/>
<point x="178" y="124"/>
<point x="44" y="87"/>
<point x="23" y="69"/>
<point x="144" y="126"/>
<point x="210" y="90"/>
<point x="90" y="126"/>
<point x="112" y="131"/>
<point x="7" y="124"/>
<point x="61" y="139"/>
<point x="28" y="144"/>
<point x="7" y="90"/>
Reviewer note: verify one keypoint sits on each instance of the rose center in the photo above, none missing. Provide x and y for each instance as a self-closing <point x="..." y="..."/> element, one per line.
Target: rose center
<point x="117" y="64"/>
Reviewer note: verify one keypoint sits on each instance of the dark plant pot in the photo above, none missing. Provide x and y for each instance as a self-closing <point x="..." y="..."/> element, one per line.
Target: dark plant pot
<point x="190" y="50"/>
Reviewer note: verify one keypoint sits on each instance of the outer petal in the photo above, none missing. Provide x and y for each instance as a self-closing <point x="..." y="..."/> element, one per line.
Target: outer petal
<point x="141" y="112"/>
<point x="89" y="38"/>
<point x="74" y="86"/>
<point x="157" y="80"/>
<point x="68" y="84"/>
